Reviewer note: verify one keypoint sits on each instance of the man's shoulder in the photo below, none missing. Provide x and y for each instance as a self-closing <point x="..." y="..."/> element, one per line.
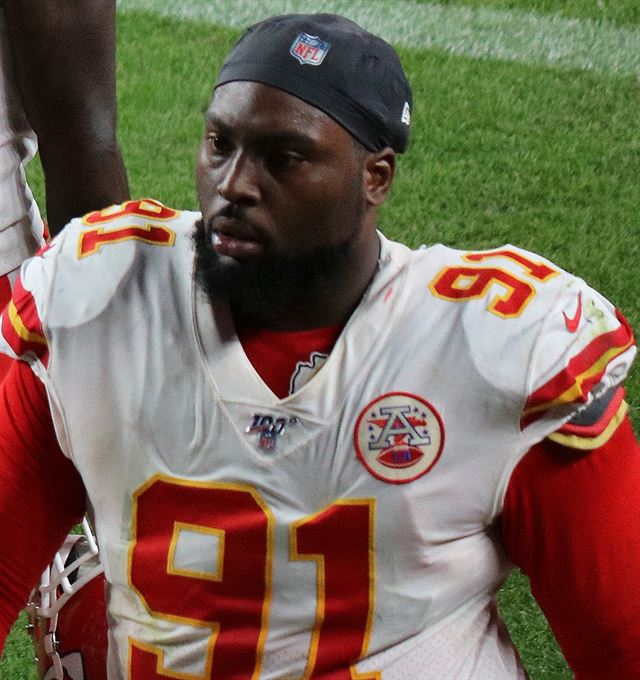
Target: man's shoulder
<point x="496" y="303"/>
<point x="507" y="283"/>
<point x="110" y="239"/>
<point x="522" y="315"/>
<point x="143" y="221"/>
<point x="99" y="257"/>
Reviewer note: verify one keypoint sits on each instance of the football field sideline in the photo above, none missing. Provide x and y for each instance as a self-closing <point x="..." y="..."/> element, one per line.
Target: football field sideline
<point x="477" y="32"/>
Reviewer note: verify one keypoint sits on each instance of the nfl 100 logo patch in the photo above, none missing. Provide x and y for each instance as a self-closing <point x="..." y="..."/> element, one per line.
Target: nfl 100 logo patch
<point x="399" y="437"/>
<point x="309" y="49"/>
<point x="269" y="428"/>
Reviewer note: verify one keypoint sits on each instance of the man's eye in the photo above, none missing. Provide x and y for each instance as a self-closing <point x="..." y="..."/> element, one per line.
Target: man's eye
<point x="285" y="159"/>
<point x="218" y="145"/>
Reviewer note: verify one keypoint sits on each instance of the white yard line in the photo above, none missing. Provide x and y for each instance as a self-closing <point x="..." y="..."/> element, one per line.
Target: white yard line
<point x="481" y="33"/>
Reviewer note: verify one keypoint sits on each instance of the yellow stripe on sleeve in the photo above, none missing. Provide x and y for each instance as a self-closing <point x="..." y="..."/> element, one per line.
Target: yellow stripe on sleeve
<point x="19" y="327"/>
<point x="575" y="441"/>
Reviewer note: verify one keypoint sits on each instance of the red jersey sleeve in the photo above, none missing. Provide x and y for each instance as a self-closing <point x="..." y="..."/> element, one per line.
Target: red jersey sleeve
<point x="41" y="493"/>
<point x="571" y="522"/>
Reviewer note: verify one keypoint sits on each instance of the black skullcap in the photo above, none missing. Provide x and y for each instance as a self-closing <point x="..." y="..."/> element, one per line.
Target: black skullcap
<point x="331" y="63"/>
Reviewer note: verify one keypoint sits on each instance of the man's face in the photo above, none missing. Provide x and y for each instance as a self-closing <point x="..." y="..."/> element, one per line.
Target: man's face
<point x="280" y="186"/>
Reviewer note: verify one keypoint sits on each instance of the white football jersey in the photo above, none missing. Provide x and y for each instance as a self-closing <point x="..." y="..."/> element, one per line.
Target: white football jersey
<point x="344" y="532"/>
<point x="21" y="227"/>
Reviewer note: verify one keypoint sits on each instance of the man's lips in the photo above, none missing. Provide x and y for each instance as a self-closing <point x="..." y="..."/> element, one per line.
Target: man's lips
<point x="235" y="238"/>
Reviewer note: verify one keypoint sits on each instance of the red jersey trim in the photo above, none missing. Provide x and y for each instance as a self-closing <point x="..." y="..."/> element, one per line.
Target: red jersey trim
<point x="583" y="371"/>
<point x="5" y="291"/>
<point x="21" y="325"/>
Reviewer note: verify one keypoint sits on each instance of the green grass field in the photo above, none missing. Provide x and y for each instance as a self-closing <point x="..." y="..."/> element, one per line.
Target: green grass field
<point x="530" y="148"/>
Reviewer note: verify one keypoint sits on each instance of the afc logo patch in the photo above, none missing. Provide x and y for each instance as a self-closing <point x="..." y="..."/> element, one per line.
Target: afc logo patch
<point x="398" y="437"/>
<point x="309" y="49"/>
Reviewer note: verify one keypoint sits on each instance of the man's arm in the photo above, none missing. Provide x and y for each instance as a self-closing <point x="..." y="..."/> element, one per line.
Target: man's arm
<point x="64" y="58"/>
<point x="571" y="521"/>
<point x="41" y="492"/>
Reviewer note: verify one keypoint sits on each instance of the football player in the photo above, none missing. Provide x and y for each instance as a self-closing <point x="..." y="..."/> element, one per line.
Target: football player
<point x="309" y="451"/>
<point x="57" y="83"/>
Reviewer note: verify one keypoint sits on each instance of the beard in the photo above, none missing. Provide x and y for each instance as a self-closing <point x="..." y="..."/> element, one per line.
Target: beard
<point x="262" y="289"/>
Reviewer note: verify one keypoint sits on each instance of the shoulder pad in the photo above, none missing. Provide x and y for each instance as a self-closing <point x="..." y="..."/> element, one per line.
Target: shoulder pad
<point x="523" y="313"/>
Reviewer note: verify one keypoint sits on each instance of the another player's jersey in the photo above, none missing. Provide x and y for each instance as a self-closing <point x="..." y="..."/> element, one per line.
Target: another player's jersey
<point x="21" y="227"/>
<point x="345" y="531"/>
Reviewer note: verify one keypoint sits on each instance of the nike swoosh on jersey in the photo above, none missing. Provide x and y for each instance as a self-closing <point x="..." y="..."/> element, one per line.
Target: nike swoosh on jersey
<point x="573" y="322"/>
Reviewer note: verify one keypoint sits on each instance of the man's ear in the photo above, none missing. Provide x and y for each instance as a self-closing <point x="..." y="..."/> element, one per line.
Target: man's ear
<point x="379" y="170"/>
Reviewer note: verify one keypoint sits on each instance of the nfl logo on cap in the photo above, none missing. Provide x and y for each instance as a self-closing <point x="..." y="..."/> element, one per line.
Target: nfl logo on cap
<point x="309" y="49"/>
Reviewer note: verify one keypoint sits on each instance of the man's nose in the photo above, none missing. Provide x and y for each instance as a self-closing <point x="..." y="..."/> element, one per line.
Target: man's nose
<point x="240" y="182"/>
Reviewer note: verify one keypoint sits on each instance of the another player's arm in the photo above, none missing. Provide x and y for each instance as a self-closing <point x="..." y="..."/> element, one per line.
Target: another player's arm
<point x="571" y="522"/>
<point x="64" y="54"/>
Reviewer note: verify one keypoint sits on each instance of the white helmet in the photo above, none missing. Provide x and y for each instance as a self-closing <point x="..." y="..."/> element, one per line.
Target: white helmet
<point x="67" y="613"/>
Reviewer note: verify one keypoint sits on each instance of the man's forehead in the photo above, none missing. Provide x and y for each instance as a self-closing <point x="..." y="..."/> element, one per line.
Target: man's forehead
<point x="255" y="105"/>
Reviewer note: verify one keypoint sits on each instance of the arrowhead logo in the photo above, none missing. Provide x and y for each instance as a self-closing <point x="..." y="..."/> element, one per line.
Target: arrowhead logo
<point x="573" y="322"/>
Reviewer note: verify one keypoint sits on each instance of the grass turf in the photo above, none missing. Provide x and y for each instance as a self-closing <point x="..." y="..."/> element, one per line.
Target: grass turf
<point x="501" y="152"/>
<point x="623" y="12"/>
